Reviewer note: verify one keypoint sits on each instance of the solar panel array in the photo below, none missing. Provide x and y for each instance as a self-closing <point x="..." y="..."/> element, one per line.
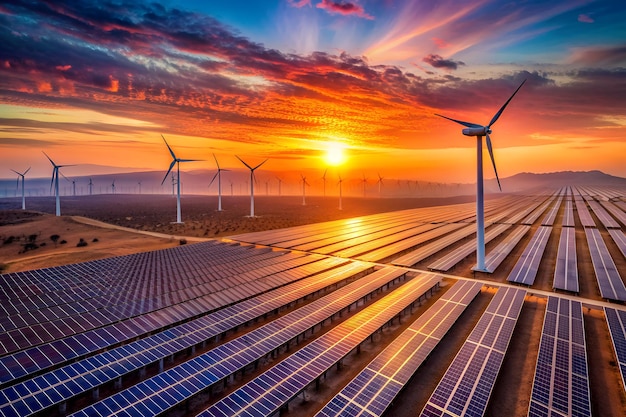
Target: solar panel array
<point x="467" y="384"/>
<point x="38" y="393"/>
<point x="566" y="270"/>
<point x="583" y="212"/>
<point x="608" y="277"/>
<point x="167" y="389"/>
<point x="495" y="257"/>
<point x="561" y="384"/>
<point x="267" y="393"/>
<point x="525" y="270"/>
<point x="616" y="319"/>
<point x="376" y="386"/>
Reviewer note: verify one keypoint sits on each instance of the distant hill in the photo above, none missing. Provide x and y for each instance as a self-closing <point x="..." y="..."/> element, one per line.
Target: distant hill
<point x="527" y="180"/>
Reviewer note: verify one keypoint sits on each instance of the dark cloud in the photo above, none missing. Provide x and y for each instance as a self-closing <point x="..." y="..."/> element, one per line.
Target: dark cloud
<point x="438" y="62"/>
<point x="601" y="56"/>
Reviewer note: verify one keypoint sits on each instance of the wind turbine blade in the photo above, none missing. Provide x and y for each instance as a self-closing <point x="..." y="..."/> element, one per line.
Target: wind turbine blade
<point x="216" y="163"/>
<point x="493" y="161"/>
<point x="15" y="171"/>
<point x="168" y="171"/>
<point x="26" y="172"/>
<point x="260" y="164"/>
<point x="189" y="160"/>
<point x="168" y="147"/>
<point x="244" y="162"/>
<point x="54" y="172"/>
<point x="49" y="159"/>
<point x="497" y="115"/>
<point x="324" y="176"/>
<point x="65" y="177"/>
<point x="214" y="176"/>
<point x="466" y="124"/>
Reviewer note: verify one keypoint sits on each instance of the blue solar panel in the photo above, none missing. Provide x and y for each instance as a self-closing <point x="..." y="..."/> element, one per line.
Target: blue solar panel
<point x="466" y="386"/>
<point x="525" y="270"/>
<point x="278" y="385"/>
<point x="616" y="319"/>
<point x="561" y="386"/>
<point x="374" y="388"/>
<point x="608" y="277"/>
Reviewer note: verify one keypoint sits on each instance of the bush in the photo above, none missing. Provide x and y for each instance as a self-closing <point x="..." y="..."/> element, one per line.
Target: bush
<point x="29" y="246"/>
<point x="55" y="238"/>
<point x="8" y="240"/>
<point x="42" y="244"/>
<point x="63" y="242"/>
<point x="182" y="241"/>
<point x="32" y="238"/>
<point x="81" y="243"/>
<point x="95" y="239"/>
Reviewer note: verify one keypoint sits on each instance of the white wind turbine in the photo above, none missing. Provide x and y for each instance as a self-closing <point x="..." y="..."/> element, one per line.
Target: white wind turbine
<point x="55" y="182"/>
<point x="473" y="129"/>
<point x="252" y="180"/>
<point x="304" y="184"/>
<point x="18" y="184"/>
<point x="218" y="175"/>
<point x="176" y="161"/>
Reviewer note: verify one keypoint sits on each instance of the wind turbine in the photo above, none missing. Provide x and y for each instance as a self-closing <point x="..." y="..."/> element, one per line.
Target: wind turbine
<point x="280" y="181"/>
<point x="218" y="175"/>
<point x="380" y="184"/>
<point x="139" y="184"/>
<point x="324" y="179"/>
<point x="113" y="187"/>
<point x="55" y="181"/>
<point x="364" y="181"/>
<point x="176" y="161"/>
<point x="340" y="193"/>
<point x="18" y="184"/>
<point x="304" y="184"/>
<point x="473" y="129"/>
<point x="252" y="179"/>
<point x="90" y="186"/>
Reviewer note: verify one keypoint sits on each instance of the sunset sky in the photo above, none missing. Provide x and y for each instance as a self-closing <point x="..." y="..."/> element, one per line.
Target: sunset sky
<point x="97" y="83"/>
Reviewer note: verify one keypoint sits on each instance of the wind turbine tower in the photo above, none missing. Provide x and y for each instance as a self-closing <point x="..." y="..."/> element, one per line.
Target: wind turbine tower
<point x="18" y="184"/>
<point x="280" y="181"/>
<point x="324" y="179"/>
<point x="176" y="161"/>
<point x="218" y="175"/>
<point x="479" y="131"/>
<point x="90" y="187"/>
<point x="55" y="181"/>
<point x="380" y="184"/>
<point x="364" y="181"/>
<point x="113" y="187"/>
<point x="252" y="179"/>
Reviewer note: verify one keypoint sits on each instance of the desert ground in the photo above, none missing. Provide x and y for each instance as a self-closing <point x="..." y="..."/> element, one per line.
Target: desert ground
<point x="152" y="216"/>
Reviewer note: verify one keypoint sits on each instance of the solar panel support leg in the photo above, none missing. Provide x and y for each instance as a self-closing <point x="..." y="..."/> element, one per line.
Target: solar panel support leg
<point x="118" y="383"/>
<point x="95" y="394"/>
<point x="63" y="408"/>
<point x="161" y="367"/>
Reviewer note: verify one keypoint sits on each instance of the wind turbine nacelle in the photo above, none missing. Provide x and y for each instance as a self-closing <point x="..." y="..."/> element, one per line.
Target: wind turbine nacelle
<point x="476" y="131"/>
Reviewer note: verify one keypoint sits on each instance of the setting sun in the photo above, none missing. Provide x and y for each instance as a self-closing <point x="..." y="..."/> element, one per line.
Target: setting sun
<point x="335" y="154"/>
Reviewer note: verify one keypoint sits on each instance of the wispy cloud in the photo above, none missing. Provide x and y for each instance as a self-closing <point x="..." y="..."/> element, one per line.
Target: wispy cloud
<point x="345" y="8"/>
<point x="585" y="18"/>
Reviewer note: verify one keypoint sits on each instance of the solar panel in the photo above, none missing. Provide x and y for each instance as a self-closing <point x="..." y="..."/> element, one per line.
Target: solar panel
<point x="604" y="217"/>
<point x="548" y="220"/>
<point x="566" y="270"/>
<point x="568" y="216"/>
<point x="561" y="383"/>
<point x="616" y="319"/>
<point x="583" y="213"/>
<point x="615" y="211"/>
<point x="525" y="270"/>
<point x="267" y="393"/>
<point x="619" y="237"/>
<point x="609" y="280"/>
<point x="375" y="387"/>
<point x="495" y="257"/>
<point x="452" y="258"/>
<point x="466" y="386"/>
<point x="233" y="355"/>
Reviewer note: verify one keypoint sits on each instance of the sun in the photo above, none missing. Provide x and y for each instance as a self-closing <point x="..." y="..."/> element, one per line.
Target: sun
<point x="335" y="154"/>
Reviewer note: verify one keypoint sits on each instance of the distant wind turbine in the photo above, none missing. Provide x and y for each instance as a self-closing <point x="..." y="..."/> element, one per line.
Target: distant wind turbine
<point x="340" y="192"/>
<point x="90" y="186"/>
<point x="252" y="179"/>
<point x="364" y="181"/>
<point x="218" y="175"/>
<point x="55" y="182"/>
<point x="304" y="184"/>
<point x="324" y="179"/>
<point x="18" y="184"/>
<point x="280" y="181"/>
<point x="380" y="184"/>
<point x="113" y="187"/>
<point x="139" y="184"/>
<point x="176" y="161"/>
<point x="473" y="129"/>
